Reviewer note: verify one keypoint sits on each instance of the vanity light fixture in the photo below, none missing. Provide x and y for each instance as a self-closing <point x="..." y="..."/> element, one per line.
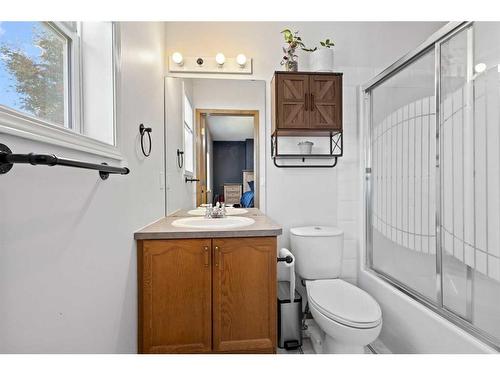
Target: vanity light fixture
<point x="479" y="68"/>
<point x="220" y="59"/>
<point x="217" y="63"/>
<point x="241" y="59"/>
<point x="177" y="58"/>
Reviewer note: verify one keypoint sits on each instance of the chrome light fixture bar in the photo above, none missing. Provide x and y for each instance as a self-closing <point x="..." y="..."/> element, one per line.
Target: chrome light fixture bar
<point x="219" y="64"/>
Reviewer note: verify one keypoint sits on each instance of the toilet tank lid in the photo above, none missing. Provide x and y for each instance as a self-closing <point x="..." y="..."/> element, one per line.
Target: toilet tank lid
<point x="316" y="231"/>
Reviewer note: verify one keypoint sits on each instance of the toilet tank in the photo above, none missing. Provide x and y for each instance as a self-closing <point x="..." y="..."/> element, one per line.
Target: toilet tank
<point x="317" y="251"/>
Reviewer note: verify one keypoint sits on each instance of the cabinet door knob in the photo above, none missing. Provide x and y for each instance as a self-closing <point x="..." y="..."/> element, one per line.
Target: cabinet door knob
<point x="205" y="253"/>
<point x="312" y="102"/>
<point x="216" y="256"/>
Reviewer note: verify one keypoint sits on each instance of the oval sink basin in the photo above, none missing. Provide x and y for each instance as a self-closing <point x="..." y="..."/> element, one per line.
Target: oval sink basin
<point x="223" y="223"/>
<point x="229" y="211"/>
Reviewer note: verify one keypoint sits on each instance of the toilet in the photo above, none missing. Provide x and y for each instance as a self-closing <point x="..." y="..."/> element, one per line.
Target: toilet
<point x="348" y="317"/>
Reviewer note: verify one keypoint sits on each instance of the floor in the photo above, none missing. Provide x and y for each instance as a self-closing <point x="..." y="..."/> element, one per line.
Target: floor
<point x="311" y="333"/>
<point x="376" y="347"/>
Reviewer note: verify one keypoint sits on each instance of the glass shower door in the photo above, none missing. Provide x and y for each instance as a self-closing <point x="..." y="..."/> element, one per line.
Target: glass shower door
<point x="470" y="174"/>
<point x="403" y="149"/>
<point x="433" y="202"/>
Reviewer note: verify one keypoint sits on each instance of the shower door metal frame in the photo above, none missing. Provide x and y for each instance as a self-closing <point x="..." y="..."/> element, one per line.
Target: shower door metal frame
<point x="433" y="42"/>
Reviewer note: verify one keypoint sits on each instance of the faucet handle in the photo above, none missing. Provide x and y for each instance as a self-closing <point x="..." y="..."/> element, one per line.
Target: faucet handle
<point x="208" y="211"/>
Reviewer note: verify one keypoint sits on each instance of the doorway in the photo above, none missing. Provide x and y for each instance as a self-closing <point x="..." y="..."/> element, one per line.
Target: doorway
<point x="227" y="156"/>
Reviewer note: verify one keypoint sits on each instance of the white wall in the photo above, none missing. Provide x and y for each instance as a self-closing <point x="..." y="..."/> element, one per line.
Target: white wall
<point x="308" y="196"/>
<point x="68" y="279"/>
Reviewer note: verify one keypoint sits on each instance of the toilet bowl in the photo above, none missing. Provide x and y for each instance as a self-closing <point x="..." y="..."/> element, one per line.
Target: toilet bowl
<point x="349" y="317"/>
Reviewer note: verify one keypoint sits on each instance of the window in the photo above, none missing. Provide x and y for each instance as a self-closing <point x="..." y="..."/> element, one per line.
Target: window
<point x="188" y="136"/>
<point x="34" y="68"/>
<point x="57" y="82"/>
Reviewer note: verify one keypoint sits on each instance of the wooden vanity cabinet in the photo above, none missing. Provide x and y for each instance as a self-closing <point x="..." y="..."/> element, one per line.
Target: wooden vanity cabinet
<point x="244" y="294"/>
<point x="207" y="295"/>
<point x="175" y="296"/>
<point x="306" y="102"/>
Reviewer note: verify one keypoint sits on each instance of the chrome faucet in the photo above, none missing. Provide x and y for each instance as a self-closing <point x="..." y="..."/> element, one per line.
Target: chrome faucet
<point x="217" y="212"/>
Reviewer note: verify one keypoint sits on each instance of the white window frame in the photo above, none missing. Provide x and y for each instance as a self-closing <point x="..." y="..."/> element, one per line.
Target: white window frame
<point x="185" y="97"/>
<point x="70" y="135"/>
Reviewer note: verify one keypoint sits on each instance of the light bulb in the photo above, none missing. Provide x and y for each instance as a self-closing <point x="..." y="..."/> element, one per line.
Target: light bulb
<point x="177" y="58"/>
<point x="220" y="58"/>
<point x="241" y="59"/>
<point x="479" y="68"/>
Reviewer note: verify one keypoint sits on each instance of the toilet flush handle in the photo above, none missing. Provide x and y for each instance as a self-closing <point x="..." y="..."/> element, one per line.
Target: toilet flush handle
<point x="287" y="259"/>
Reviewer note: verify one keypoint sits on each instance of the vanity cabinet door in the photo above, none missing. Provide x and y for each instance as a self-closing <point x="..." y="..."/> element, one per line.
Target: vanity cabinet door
<point x="244" y="295"/>
<point x="326" y="101"/>
<point x="292" y="101"/>
<point x="175" y="296"/>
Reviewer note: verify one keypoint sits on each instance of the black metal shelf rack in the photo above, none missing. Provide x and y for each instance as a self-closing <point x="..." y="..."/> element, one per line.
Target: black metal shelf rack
<point x="336" y="149"/>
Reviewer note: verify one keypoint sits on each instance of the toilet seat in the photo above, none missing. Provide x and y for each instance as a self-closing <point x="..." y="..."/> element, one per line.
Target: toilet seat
<point x="344" y="303"/>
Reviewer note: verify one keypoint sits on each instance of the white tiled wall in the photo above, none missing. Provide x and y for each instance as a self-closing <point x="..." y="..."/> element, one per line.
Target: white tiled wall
<point x="348" y="185"/>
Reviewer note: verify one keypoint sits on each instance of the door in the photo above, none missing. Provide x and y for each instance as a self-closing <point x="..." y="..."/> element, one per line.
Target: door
<point x="175" y="305"/>
<point x="244" y="294"/>
<point x="325" y="101"/>
<point x="292" y="101"/>
<point x="201" y="159"/>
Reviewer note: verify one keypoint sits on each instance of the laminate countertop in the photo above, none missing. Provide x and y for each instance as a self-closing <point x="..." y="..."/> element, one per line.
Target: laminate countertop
<point x="163" y="228"/>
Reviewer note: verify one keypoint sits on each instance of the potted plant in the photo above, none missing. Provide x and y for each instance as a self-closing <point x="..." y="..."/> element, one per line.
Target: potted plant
<point x="321" y="59"/>
<point x="294" y="41"/>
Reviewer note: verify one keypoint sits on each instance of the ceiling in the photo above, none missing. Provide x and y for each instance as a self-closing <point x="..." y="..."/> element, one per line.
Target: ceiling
<point x="230" y="128"/>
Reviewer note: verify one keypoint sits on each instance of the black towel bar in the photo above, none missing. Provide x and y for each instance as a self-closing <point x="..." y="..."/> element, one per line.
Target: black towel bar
<point x="8" y="159"/>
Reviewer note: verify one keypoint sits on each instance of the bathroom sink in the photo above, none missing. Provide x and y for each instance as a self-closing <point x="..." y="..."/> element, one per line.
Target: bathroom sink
<point x="229" y="211"/>
<point x="203" y="223"/>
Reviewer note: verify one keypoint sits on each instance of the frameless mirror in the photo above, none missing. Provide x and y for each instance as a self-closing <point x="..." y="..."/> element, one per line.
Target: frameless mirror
<point x="212" y="141"/>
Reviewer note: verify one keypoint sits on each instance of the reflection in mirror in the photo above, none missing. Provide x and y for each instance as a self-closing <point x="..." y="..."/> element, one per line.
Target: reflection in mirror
<point x="219" y="138"/>
<point x="228" y="154"/>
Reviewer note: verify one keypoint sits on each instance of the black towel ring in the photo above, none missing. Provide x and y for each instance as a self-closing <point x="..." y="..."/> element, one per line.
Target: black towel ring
<point x="143" y="130"/>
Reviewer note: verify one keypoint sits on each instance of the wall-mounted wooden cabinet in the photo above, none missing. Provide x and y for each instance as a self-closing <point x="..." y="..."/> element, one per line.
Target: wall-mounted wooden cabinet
<point x="207" y="295"/>
<point x="304" y="101"/>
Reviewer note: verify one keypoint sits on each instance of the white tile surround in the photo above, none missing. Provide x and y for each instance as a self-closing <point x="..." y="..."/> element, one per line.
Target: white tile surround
<point x="348" y="187"/>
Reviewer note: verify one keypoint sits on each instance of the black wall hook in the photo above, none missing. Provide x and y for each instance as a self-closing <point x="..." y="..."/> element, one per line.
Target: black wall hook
<point x="180" y="158"/>
<point x="143" y="130"/>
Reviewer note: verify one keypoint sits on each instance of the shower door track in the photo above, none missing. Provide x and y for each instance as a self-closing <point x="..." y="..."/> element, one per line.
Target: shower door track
<point x="434" y="41"/>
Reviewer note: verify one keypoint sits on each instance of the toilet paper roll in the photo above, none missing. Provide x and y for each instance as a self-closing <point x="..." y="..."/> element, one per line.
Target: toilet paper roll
<point x="291" y="267"/>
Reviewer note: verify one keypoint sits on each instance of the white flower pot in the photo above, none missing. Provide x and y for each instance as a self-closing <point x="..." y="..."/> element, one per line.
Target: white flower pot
<point x="321" y="60"/>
